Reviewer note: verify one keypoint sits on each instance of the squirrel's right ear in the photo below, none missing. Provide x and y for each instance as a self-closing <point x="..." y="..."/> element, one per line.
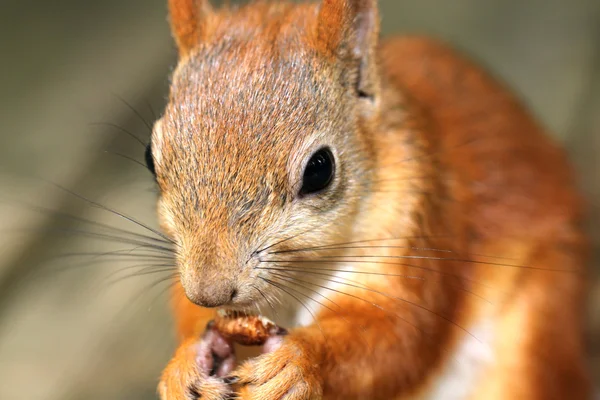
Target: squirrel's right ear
<point x="349" y="29"/>
<point x="188" y="22"/>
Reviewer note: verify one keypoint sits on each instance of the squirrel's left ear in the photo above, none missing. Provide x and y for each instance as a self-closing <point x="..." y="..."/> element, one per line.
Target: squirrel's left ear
<point x="188" y="22"/>
<point x="350" y="30"/>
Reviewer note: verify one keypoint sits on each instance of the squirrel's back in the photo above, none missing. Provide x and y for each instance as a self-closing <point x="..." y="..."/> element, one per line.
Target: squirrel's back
<point x="517" y="198"/>
<point x="506" y="168"/>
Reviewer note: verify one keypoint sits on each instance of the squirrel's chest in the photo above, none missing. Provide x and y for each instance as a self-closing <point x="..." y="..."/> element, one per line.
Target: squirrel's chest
<point x="297" y="303"/>
<point x="471" y="356"/>
<point x="300" y="304"/>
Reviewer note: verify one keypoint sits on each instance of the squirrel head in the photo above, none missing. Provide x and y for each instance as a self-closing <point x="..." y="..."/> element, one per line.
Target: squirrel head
<point x="265" y="142"/>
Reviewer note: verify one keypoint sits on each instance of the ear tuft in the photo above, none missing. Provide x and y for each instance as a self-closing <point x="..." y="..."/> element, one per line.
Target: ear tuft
<point x="349" y="29"/>
<point x="188" y="22"/>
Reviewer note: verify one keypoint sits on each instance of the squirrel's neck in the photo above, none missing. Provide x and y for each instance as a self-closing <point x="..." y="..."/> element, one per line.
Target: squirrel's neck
<point x="408" y="167"/>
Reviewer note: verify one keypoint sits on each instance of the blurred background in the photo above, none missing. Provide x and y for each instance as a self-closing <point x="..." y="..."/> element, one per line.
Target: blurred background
<point x="81" y="78"/>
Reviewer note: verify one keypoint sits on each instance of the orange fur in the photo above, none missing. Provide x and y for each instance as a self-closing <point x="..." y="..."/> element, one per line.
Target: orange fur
<point x="187" y="22"/>
<point x="433" y="153"/>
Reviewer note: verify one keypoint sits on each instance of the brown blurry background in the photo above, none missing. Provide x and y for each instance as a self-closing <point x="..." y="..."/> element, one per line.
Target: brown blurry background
<point x="67" y="329"/>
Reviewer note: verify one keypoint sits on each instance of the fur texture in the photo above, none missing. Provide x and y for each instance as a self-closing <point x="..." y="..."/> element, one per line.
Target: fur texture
<point x="445" y="260"/>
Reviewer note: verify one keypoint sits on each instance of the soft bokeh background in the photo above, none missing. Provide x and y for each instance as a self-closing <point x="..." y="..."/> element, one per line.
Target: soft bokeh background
<point x="73" y="333"/>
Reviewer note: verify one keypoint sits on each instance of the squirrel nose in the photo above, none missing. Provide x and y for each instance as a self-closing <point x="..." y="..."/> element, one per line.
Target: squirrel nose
<point x="212" y="295"/>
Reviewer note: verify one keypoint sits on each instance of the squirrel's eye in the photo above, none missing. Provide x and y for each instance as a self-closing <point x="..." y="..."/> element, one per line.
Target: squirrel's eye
<point x="149" y="159"/>
<point x="318" y="173"/>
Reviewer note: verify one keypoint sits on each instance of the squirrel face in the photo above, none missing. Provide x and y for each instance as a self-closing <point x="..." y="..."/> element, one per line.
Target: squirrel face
<point x="261" y="148"/>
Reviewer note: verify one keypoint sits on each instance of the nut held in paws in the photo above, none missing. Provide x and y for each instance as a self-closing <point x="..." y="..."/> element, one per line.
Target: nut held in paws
<point x="245" y="329"/>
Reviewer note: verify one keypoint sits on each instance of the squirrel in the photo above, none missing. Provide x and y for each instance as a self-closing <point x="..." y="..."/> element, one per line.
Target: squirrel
<point x="392" y="204"/>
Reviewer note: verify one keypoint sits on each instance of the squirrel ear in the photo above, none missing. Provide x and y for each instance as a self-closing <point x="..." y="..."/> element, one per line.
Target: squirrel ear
<point x="188" y="22"/>
<point x="350" y="29"/>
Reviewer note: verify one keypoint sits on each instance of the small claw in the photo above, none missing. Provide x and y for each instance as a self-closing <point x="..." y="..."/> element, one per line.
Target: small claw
<point x="226" y="366"/>
<point x="279" y="331"/>
<point x="193" y="393"/>
<point x="209" y="326"/>
<point x="231" y="379"/>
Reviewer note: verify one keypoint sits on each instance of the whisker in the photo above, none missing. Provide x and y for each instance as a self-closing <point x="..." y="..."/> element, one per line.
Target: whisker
<point x="290" y="238"/>
<point x="307" y="269"/>
<point x="158" y="282"/>
<point x="98" y="255"/>
<point x="365" y="287"/>
<point x="90" y="264"/>
<point x="144" y="271"/>
<point x="142" y="267"/>
<point x="283" y="241"/>
<point x="154" y="117"/>
<point x="312" y="272"/>
<point x="120" y="128"/>
<point x="147" y="288"/>
<point x="389" y="313"/>
<point x="298" y="300"/>
<point x="362" y="241"/>
<point x="127" y="158"/>
<point x="294" y="281"/>
<point x="448" y="274"/>
<point x="414" y="257"/>
<point x="151" y="252"/>
<point x="94" y="223"/>
<point x="325" y="247"/>
<point x="330" y="247"/>
<point x="275" y="313"/>
<point x="135" y="111"/>
<point x="168" y="287"/>
<point x="114" y="212"/>
<point x="110" y="238"/>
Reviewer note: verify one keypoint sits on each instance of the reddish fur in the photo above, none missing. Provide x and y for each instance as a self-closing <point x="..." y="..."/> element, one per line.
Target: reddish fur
<point x="490" y="182"/>
<point x="186" y="22"/>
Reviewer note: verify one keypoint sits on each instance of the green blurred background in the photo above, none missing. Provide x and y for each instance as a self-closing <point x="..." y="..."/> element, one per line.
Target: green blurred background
<point x="70" y="64"/>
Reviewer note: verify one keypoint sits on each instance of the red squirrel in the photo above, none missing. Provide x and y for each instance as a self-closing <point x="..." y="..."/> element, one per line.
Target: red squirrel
<point x="387" y="201"/>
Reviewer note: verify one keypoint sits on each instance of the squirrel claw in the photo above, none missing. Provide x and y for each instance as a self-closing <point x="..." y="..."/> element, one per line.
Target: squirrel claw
<point x="286" y="373"/>
<point x="197" y="369"/>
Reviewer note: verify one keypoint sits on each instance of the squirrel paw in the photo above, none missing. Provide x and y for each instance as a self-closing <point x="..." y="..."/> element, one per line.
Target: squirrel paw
<point x="286" y="373"/>
<point x="197" y="369"/>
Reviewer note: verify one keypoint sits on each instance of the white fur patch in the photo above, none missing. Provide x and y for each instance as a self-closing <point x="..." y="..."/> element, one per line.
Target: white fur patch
<point x="305" y="315"/>
<point x="464" y="368"/>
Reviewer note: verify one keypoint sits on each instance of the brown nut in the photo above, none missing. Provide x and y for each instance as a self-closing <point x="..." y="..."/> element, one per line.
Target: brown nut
<point x="245" y="329"/>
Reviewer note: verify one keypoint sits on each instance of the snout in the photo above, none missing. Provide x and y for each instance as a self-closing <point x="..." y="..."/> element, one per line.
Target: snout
<point x="210" y="295"/>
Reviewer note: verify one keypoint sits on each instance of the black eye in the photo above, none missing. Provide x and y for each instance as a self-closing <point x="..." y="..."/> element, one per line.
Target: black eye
<point x="149" y="159"/>
<point x="318" y="173"/>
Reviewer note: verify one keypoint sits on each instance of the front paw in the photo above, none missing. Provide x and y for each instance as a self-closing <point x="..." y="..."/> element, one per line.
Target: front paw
<point x="197" y="370"/>
<point x="290" y="372"/>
